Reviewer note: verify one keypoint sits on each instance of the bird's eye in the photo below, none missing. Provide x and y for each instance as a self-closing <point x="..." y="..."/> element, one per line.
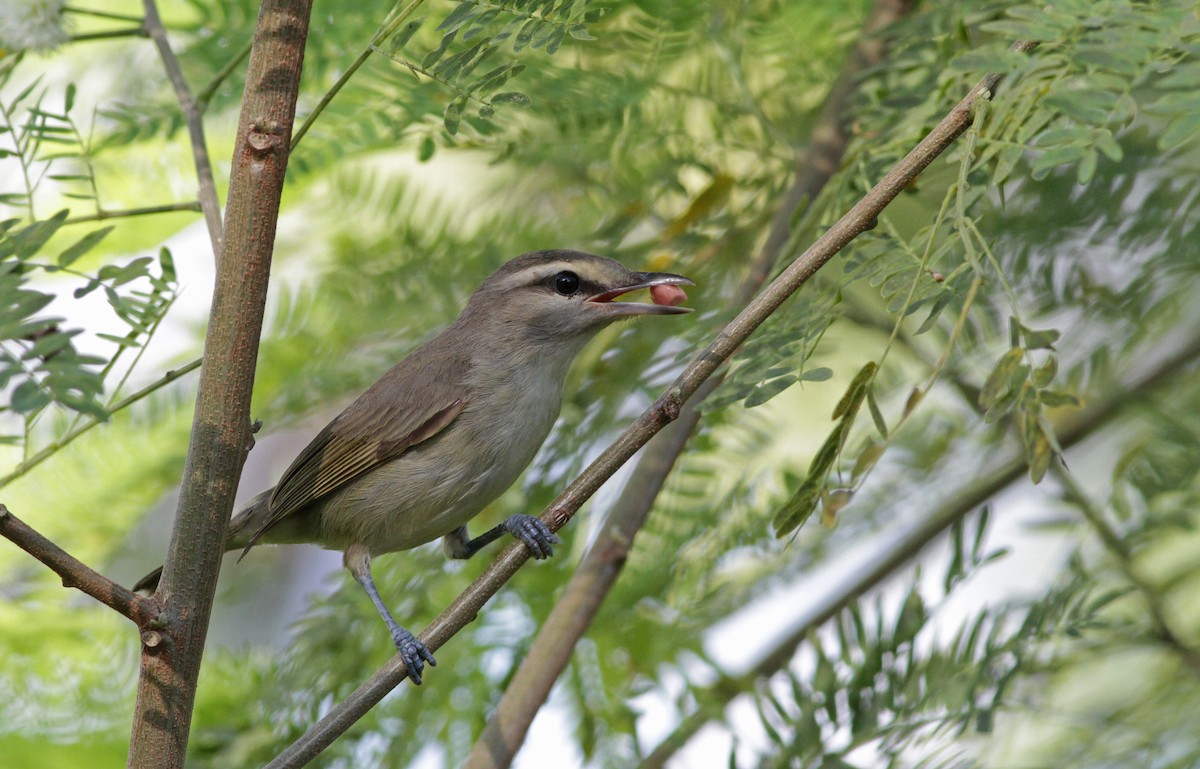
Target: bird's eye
<point x="566" y="283"/>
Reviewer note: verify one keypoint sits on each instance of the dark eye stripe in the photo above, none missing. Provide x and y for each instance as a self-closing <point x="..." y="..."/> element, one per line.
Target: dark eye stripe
<point x="584" y="286"/>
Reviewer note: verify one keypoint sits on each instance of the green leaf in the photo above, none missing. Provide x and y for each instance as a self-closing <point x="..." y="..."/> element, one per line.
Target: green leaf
<point x="84" y="290"/>
<point x="1041" y="340"/>
<point x="580" y="32"/>
<point x="1055" y="398"/>
<point x="1000" y="60"/>
<point x="1044" y="374"/>
<point x="525" y="34"/>
<point x="511" y="97"/>
<point x="404" y="34"/>
<point x="121" y="341"/>
<point x="1084" y="103"/>
<point x="453" y="115"/>
<point x="464" y="13"/>
<point x="1109" y="59"/>
<point x="82" y="246"/>
<point x="1022" y="30"/>
<point x="1185" y="76"/>
<point x="1040" y="456"/>
<point x="866" y="460"/>
<point x="426" y="149"/>
<point x="1057" y="156"/>
<point x="998" y="381"/>
<point x="939" y="305"/>
<point x="166" y="265"/>
<point x="30" y="240"/>
<point x="1107" y="144"/>
<point x="433" y="56"/>
<point x="28" y="397"/>
<point x="857" y="390"/>
<point x="555" y="40"/>
<point x="49" y="345"/>
<point x="1087" y="166"/>
<point x="1074" y="134"/>
<point x="479" y="24"/>
<point x="24" y="303"/>
<point x="1180" y="131"/>
<point x="832" y="503"/>
<point x="823" y="460"/>
<point x="876" y="414"/>
<point x="768" y="390"/>
<point x="797" y="510"/>
<point x="1185" y="103"/>
<point x="821" y="374"/>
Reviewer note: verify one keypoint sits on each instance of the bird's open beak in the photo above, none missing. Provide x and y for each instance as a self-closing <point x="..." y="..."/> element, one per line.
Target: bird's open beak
<point x="664" y="292"/>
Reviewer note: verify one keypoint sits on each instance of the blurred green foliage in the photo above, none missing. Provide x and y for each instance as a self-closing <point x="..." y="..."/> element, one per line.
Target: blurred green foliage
<point x="1040" y="264"/>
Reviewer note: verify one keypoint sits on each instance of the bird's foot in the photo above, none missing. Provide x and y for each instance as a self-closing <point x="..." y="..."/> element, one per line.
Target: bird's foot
<point x="533" y="533"/>
<point x="413" y="653"/>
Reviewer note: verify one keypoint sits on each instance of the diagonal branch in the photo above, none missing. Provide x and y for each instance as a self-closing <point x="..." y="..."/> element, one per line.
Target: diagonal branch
<point x="661" y="413"/>
<point x="551" y="651"/>
<point x="75" y="573"/>
<point x="194" y="120"/>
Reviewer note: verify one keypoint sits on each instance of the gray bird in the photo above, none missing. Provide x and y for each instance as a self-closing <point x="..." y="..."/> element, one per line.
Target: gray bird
<point x="449" y="428"/>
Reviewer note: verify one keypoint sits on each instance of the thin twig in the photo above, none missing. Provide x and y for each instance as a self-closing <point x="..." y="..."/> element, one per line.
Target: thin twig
<point x="59" y="444"/>
<point x="101" y="215"/>
<point x="206" y="94"/>
<point x="662" y="412"/>
<point x="380" y="37"/>
<point x="193" y="118"/>
<point x="102" y="14"/>
<point x="110" y="34"/>
<point x="75" y="573"/>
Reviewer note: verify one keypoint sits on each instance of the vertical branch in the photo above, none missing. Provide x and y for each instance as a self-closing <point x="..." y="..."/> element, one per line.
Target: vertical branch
<point x="221" y="434"/>
<point x="194" y="120"/>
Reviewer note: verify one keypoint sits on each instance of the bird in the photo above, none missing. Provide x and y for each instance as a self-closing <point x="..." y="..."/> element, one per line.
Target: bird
<point x="444" y="432"/>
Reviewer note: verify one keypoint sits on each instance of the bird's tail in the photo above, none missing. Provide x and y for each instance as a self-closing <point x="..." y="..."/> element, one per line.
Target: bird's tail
<point x="245" y="522"/>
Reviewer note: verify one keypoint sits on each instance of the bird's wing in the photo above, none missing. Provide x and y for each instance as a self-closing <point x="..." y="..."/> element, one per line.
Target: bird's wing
<point x="411" y="403"/>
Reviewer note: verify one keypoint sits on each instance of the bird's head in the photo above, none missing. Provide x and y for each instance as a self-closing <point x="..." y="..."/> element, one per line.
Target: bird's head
<point x="569" y="295"/>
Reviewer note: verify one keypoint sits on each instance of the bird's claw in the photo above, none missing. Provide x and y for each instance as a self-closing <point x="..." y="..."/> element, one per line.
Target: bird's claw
<point x="413" y="653"/>
<point x="533" y="533"/>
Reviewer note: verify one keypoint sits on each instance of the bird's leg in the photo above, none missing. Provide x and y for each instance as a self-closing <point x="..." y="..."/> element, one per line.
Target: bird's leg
<point x="527" y="528"/>
<point x="357" y="559"/>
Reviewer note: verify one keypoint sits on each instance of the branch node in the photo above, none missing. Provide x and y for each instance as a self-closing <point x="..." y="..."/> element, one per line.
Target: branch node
<point x="264" y="138"/>
<point x="152" y="640"/>
<point x="672" y="403"/>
